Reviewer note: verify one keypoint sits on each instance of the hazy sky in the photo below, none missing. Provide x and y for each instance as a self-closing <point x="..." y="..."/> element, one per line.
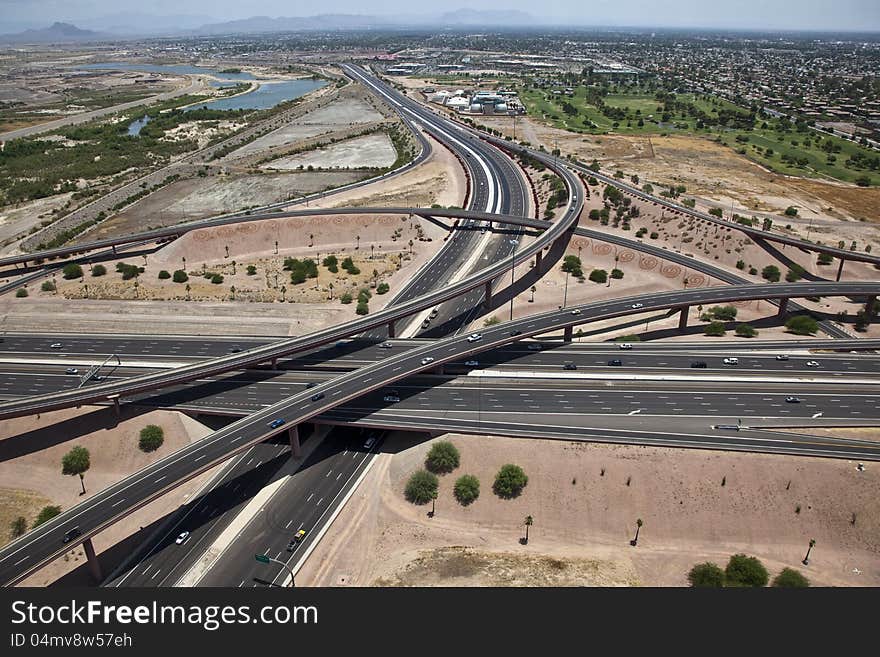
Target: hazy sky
<point x="863" y="15"/>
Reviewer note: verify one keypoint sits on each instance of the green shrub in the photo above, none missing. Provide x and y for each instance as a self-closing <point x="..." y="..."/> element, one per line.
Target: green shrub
<point x="616" y="273"/>
<point x="362" y="308"/>
<point x="71" y="271"/>
<point x="715" y="329"/>
<point x="251" y="270"/>
<point x="706" y="575"/>
<point x="382" y="288"/>
<point x="790" y="578"/>
<point x="163" y="275"/>
<point x="345" y="298"/>
<point x="151" y="438"/>
<point x="467" y="489"/>
<point x="180" y="276"/>
<point x="216" y="279"/>
<point x="421" y="487"/>
<point x="99" y="270"/>
<point x="746" y="331"/>
<point x="599" y="276"/>
<point x="48" y="286"/>
<point x="802" y="325"/>
<point x="509" y="481"/>
<point x="771" y="273"/>
<point x="21" y="293"/>
<point x="46" y="513"/>
<point x="743" y="570"/>
<point x="443" y="457"/>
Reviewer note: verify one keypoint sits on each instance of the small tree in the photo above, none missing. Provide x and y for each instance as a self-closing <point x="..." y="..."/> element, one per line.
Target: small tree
<point x="21" y="293"/>
<point x="216" y="279"/>
<point x="510" y="481"/>
<point x="795" y="273"/>
<point x="251" y="270"/>
<point x="790" y="578"/>
<point x="76" y="462"/>
<point x="616" y="273"/>
<point x="180" y="276"/>
<point x="151" y="438"/>
<point x="528" y="522"/>
<point x="467" y="489"/>
<point x="743" y="570"/>
<point x="163" y="275"/>
<point x="443" y="457"/>
<point x="345" y="298"/>
<point x="18" y="527"/>
<point x="421" y="487"/>
<point x="746" y="331"/>
<point x="599" y="276"/>
<point x="362" y="308"/>
<point x="791" y="211"/>
<point x="706" y="575"/>
<point x="48" y="286"/>
<point x="771" y="273"/>
<point x="46" y="514"/>
<point x="382" y="288"/>
<point x="802" y="325"/>
<point x="491" y="321"/>
<point x="715" y="329"/>
<point x="99" y="270"/>
<point x="71" y="271"/>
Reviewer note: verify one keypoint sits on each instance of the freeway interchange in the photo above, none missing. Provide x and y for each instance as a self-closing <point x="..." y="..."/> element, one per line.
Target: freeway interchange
<point x="512" y="390"/>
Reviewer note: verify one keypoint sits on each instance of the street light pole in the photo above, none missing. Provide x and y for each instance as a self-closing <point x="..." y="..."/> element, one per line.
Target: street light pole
<point x="262" y="558"/>
<point x="512" y="266"/>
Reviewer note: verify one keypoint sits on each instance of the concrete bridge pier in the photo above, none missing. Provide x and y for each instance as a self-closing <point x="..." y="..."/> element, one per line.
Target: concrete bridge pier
<point x="783" y="307"/>
<point x="870" y="308"/>
<point x="92" y="559"/>
<point x="274" y="363"/>
<point x="840" y="269"/>
<point x="683" y="318"/>
<point x="539" y="256"/>
<point x="392" y="333"/>
<point x="567" y="334"/>
<point x="293" y="436"/>
<point x="488" y="294"/>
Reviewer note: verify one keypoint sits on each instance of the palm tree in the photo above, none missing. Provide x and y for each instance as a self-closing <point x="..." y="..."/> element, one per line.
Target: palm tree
<point x="232" y="289"/>
<point x="184" y="261"/>
<point x="638" y="527"/>
<point x="276" y="247"/>
<point x="187" y="291"/>
<point x="136" y="285"/>
<point x="227" y="251"/>
<point x="311" y="240"/>
<point x="233" y="267"/>
<point x="372" y="249"/>
<point x="330" y="285"/>
<point x="283" y="292"/>
<point x="410" y="247"/>
<point x="534" y="289"/>
<point x="528" y="522"/>
<point x="806" y="560"/>
<point x="358" y="238"/>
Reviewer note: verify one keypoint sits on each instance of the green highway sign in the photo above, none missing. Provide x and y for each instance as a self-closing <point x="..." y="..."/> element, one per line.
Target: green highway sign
<point x="262" y="558"/>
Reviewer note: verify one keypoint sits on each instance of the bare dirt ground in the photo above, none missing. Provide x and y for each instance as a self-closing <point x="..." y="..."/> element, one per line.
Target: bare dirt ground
<point x="17" y="221"/>
<point x="367" y="151"/>
<point x="584" y="520"/>
<point x="32" y="448"/>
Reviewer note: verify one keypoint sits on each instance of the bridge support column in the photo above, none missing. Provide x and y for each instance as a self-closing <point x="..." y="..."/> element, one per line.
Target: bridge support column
<point x="117" y="409"/>
<point x="92" y="559"/>
<point x="488" y="294"/>
<point x="293" y="435"/>
<point x="783" y="307"/>
<point x="840" y="269"/>
<point x="539" y="256"/>
<point x="683" y="318"/>
<point x="567" y="334"/>
<point x="870" y="308"/>
<point x="274" y="362"/>
<point x="392" y="333"/>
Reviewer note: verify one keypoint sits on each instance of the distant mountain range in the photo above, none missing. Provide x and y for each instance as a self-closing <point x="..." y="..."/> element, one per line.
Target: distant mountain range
<point x="56" y="33"/>
<point x="121" y="25"/>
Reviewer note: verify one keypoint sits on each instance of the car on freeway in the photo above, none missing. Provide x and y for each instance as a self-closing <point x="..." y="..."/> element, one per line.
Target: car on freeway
<point x="731" y="361"/>
<point x="637" y="305"/>
<point x="340" y="344"/>
<point x="515" y="332"/>
<point x="71" y="370"/>
<point x="569" y="366"/>
<point x="182" y="538"/>
<point x="793" y="400"/>
<point x="812" y="363"/>
<point x="393" y="396"/>
<point x="576" y="311"/>
<point x="624" y="345"/>
<point x="71" y="534"/>
<point x="426" y="360"/>
<point x="311" y="384"/>
<point x="385" y="345"/>
<point x="296" y="540"/>
<point x="434" y="313"/>
<point x="234" y="349"/>
<point x="368" y="444"/>
<point x="426" y="323"/>
<point x="473" y="337"/>
<point x="471" y="363"/>
<point x="318" y="396"/>
<point x="534" y="346"/>
<point x="55" y="345"/>
<point x="699" y="363"/>
<point x="274" y="424"/>
<point x="782" y="357"/>
<point x="615" y="362"/>
<point x="98" y="377"/>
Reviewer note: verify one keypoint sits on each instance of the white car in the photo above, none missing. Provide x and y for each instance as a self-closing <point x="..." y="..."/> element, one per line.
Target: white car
<point x="782" y="357"/>
<point x="624" y="345"/>
<point x="637" y="305"/>
<point x="473" y="337"/>
<point x="55" y="345"/>
<point x="812" y="363"/>
<point x="731" y="361"/>
<point x="576" y="311"/>
<point x="71" y="370"/>
<point x="471" y="363"/>
<point x="391" y="398"/>
<point x="385" y="345"/>
<point x="427" y="360"/>
<point x="183" y="538"/>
